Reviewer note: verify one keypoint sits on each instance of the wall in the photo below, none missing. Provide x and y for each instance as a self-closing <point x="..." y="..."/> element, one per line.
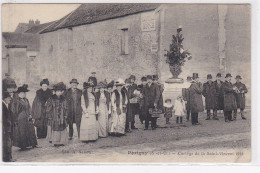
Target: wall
<point x="200" y="32"/>
<point x="97" y="47"/>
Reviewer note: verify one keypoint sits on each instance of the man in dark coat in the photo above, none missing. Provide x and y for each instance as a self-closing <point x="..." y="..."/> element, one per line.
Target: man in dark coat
<point x="186" y="97"/>
<point x="219" y="94"/>
<point x="160" y="86"/>
<point x="209" y="92"/>
<point x="92" y="79"/>
<point x="7" y="125"/>
<point x="240" y="97"/>
<point x="141" y="101"/>
<point x="196" y="103"/>
<point x="9" y="85"/>
<point x="73" y="97"/>
<point x="151" y="100"/>
<point x="229" y="98"/>
<point x="133" y="108"/>
<point x="39" y="108"/>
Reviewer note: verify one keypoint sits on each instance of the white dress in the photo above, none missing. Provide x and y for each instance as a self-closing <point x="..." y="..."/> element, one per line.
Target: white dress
<point x="118" y="120"/>
<point x="179" y="108"/>
<point x="89" y="125"/>
<point x="103" y="116"/>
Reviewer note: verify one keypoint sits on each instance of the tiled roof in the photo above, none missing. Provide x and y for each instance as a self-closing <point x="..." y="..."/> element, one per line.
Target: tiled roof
<point x="12" y="39"/>
<point x="38" y="28"/>
<point x="90" y="13"/>
<point x="22" y="27"/>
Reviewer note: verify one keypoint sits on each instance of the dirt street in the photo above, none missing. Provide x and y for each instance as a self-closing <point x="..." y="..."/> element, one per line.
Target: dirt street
<point x="224" y="142"/>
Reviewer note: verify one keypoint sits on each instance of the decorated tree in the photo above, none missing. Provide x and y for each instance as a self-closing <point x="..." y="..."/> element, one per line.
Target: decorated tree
<point x="176" y="56"/>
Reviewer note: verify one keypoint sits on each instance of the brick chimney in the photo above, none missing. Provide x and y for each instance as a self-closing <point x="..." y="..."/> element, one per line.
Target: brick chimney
<point x="31" y="23"/>
<point x="37" y="22"/>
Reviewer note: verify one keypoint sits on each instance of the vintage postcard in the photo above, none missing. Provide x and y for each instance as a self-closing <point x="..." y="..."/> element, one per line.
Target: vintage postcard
<point x="126" y="82"/>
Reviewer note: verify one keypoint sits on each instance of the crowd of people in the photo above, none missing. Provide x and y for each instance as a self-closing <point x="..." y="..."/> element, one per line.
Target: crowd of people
<point x="105" y="109"/>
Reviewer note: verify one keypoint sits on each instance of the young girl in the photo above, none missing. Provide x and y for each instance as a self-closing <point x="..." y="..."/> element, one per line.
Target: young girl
<point x="179" y="109"/>
<point x="168" y="109"/>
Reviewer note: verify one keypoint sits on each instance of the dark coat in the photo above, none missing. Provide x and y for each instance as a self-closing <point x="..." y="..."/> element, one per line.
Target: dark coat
<point x="24" y="133"/>
<point x="196" y="103"/>
<point x="39" y="108"/>
<point x="151" y="96"/>
<point x="186" y="97"/>
<point x="74" y="106"/>
<point x="57" y="112"/>
<point x="219" y="95"/>
<point x="229" y="97"/>
<point x="240" y="97"/>
<point x="93" y="80"/>
<point x="132" y="108"/>
<point x="209" y="92"/>
<point x="6" y="119"/>
<point x="160" y="102"/>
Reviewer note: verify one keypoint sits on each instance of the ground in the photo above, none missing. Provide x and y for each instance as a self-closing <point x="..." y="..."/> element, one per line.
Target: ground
<point x="212" y="141"/>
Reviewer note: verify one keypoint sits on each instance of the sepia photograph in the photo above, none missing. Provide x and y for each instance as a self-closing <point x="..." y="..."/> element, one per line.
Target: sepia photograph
<point x="126" y="83"/>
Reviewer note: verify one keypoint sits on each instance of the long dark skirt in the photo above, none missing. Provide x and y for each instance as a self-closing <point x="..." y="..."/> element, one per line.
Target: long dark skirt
<point x="24" y="134"/>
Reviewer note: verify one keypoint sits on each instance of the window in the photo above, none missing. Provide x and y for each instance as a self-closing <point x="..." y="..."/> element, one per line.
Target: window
<point x="70" y="38"/>
<point x="124" y="42"/>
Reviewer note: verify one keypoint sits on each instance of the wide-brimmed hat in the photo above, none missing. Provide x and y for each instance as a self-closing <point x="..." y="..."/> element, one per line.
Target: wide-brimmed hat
<point x="23" y="89"/>
<point x="155" y="77"/>
<point x="127" y="81"/>
<point x="143" y="79"/>
<point x="209" y="76"/>
<point x="132" y="77"/>
<point x="120" y="82"/>
<point x="179" y="28"/>
<point x="101" y="85"/>
<point x="238" y="77"/>
<point x="189" y="78"/>
<point x="149" y="77"/>
<point x="195" y="76"/>
<point x="5" y="94"/>
<point x="44" y="81"/>
<point x="59" y="87"/>
<point x="87" y="85"/>
<point x="228" y="75"/>
<point x="74" y="81"/>
<point x="218" y="75"/>
<point x="111" y="84"/>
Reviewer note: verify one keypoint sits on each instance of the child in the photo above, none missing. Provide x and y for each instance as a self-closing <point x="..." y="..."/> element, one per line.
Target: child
<point x="168" y="109"/>
<point x="179" y="109"/>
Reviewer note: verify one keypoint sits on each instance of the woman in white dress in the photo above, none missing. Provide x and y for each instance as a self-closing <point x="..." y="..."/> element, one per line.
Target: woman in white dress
<point x="88" y="126"/>
<point x="102" y="104"/>
<point x="119" y="102"/>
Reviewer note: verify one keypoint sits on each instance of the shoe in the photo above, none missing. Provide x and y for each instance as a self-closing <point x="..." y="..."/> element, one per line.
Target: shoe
<point x="146" y="129"/>
<point x="244" y="118"/>
<point x="207" y="118"/>
<point x="227" y="121"/>
<point x="128" y="130"/>
<point x="70" y="138"/>
<point x="215" y="118"/>
<point x="153" y="128"/>
<point x="134" y="128"/>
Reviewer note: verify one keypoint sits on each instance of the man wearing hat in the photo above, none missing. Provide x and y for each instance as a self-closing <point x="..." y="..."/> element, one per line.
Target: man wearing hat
<point x="141" y="101"/>
<point x="160" y="86"/>
<point x="151" y="100"/>
<point x="39" y="108"/>
<point x="73" y="98"/>
<point x="209" y="92"/>
<point x="196" y="103"/>
<point x="186" y="97"/>
<point x="132" y="108"/>
<point x="7" y="126"/>
<point x="93" y="79"/>
<point x="219" y="95"/>
<point x="9" y="84"/>
<point x="240" y="97"/>
<point x="229" y="98"/>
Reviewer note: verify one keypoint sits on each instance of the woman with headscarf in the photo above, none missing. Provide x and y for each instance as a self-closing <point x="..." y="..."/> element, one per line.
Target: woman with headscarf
<point x="103" y="109"/>
<point x="39" y="108"/>
<point x="57" y="113"/>
<point x="89" y="125"/>
<point x="119" y="102"/>
<point x="24" y="133"/>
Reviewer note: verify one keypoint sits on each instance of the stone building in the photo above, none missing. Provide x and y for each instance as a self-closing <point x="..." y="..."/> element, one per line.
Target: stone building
<point x="117" y="40"/>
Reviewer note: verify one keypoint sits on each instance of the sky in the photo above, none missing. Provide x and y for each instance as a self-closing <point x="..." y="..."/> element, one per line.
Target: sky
<point x="13" y="14"/>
